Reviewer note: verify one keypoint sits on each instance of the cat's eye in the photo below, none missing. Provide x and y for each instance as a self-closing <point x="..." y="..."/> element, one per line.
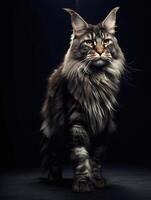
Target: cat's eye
<point x="89" y="42"/>
<point x="107" y="41"/>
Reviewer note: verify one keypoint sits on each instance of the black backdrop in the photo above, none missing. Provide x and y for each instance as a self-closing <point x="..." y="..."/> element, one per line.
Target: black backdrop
<point x="35" y="43"/>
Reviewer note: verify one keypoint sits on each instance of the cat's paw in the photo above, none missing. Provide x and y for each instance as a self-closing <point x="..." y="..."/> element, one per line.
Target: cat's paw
<point x="83" y="185"/>
<point x="54" y="178"/>
<point x="100" y="183"/>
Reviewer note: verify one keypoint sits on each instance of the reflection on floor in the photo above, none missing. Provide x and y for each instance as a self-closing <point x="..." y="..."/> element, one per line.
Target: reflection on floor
<point x="125" y="183"/>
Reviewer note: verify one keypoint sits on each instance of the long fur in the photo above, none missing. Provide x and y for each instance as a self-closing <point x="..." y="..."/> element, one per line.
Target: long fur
<point x="80" y="100"/>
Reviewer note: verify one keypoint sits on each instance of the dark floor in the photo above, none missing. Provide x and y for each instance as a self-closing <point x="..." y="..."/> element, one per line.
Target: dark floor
<point x="125" y="183"/>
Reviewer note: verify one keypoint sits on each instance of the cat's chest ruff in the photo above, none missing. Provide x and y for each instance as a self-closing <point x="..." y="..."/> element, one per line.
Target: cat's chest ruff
<point x="96" y="108"/>
<point x="94" y="101"/>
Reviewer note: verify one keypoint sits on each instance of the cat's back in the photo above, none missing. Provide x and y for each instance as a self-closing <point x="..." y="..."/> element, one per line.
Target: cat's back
<point x="54" y="81"/>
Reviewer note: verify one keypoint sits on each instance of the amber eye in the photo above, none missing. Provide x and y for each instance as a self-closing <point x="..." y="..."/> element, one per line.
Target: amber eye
<point x="89" y="42"/>
<point x="107" y="41"/>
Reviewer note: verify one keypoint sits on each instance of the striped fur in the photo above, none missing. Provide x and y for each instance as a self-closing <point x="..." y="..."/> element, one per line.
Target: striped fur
<point x="79" y="107"/>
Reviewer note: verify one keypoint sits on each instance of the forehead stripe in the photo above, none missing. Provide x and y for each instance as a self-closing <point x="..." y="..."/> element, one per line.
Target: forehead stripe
<point x="93" y="35"/>
<point x="88" y="37"/>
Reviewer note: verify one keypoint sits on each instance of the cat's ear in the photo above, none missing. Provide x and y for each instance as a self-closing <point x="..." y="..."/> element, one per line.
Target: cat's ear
<point x="109" y="23"/>
<point x="78" y="23"/>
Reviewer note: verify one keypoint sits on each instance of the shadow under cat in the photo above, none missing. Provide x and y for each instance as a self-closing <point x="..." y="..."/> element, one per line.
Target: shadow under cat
<point x="126" y="183"/>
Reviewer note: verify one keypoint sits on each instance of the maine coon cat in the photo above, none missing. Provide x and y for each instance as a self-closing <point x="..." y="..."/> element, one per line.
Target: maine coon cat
<point x="79" y="107"/>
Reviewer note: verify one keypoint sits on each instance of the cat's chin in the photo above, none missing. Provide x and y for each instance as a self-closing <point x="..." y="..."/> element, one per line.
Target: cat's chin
<point x="99" y="63"/>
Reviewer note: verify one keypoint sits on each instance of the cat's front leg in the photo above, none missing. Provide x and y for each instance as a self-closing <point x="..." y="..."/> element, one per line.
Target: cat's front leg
<point x="98" y="179"/>
<point x="81" y="161"/>
<point x="82" y="170"/>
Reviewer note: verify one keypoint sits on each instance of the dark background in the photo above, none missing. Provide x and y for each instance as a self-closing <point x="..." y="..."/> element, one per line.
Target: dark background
<point x="34" y="44"/>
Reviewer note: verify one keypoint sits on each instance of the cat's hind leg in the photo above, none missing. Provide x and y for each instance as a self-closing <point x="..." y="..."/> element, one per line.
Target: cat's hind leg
<point x="51" y="158"/>
<point x="55" y="168"/>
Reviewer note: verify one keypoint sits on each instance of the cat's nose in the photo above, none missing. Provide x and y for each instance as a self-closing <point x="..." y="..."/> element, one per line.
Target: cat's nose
<point x="99" y="48"/>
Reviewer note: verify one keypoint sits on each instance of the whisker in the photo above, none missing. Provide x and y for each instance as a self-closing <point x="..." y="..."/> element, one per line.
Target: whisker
<point x="132" y="69"/>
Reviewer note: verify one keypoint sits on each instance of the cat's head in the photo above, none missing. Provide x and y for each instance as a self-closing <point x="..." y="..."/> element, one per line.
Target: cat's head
<point x="94" y="44"/>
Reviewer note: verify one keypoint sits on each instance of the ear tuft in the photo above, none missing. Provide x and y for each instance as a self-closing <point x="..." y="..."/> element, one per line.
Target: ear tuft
<point x="68" y="10"/>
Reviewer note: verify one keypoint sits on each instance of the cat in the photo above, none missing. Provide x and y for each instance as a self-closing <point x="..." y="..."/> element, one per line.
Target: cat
<point x="78" y="111"/>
